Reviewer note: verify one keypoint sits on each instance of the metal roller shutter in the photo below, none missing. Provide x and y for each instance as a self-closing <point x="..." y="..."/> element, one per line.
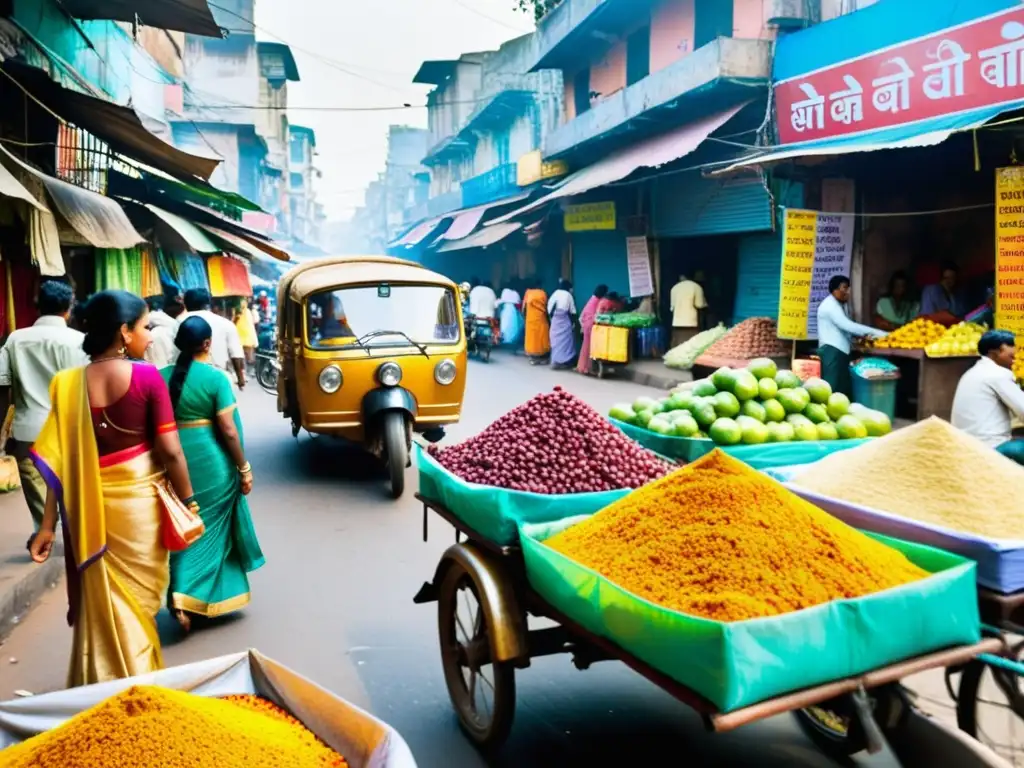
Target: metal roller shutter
<point x="688" y="205"/>
<point x="757" y="279"/>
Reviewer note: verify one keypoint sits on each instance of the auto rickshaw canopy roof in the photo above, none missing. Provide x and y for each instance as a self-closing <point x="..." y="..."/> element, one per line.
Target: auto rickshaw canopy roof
<point x="338" y="271"/>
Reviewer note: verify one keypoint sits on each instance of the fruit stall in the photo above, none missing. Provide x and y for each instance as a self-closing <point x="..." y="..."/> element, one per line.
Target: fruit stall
<point x="785" y="608"/>
<point x="765" y="416"/>
<point x="931" y="359"/>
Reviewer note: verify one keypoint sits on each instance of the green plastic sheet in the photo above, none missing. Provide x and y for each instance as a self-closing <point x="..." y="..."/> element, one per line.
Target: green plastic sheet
<point x="497" y="513"/>
<point x="759" y="457"/>
<point x="734" y="665"/>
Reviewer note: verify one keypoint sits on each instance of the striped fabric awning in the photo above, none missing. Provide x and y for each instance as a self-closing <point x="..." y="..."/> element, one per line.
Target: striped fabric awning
<point x="228" y="277"/>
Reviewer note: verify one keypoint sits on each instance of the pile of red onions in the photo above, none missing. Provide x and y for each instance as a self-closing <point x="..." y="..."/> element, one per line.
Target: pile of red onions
<point x="553" y="444"/>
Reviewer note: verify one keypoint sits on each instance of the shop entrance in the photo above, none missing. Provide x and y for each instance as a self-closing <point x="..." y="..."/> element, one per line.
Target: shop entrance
<point x="712" y="262"/>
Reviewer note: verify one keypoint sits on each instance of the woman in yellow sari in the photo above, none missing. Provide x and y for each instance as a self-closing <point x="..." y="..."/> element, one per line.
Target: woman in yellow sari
<point x="109" y="440"/>
<point x="537" y="344"/>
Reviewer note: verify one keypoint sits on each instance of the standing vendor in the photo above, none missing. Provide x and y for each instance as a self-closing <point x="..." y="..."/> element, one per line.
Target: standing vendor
<point x="687" y="301"/>
<point x="987" y="396"/>
<point x="836" y="332"/>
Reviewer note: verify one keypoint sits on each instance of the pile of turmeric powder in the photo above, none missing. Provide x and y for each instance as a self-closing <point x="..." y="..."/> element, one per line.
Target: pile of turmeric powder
<point x="160" y="728"/>
<point x="718" y="540"/>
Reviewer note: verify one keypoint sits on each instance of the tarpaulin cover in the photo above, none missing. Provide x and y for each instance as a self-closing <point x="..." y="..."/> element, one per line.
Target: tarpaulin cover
<point x="759" y="457"/>
<point x="737" y="664"/>
<point x="497" y="513"/>
<point x="363" y="740"/>
<point x="1000" y="562"/>
<point x="228" y="277"/>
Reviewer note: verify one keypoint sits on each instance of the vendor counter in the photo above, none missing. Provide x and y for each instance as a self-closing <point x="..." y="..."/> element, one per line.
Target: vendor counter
<point x="927" y="384"/>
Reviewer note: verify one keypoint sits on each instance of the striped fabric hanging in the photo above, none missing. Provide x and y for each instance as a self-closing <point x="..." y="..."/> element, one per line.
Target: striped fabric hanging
<point x="228" y="277"/>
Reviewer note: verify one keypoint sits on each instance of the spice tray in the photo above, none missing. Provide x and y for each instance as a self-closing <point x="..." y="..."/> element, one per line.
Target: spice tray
<point x="759" y="457"/>
<point x="363" y="740"/>
<point x="738" y="664"/>
<point x="496" y="513"/>
<point x="1000" y="562"/>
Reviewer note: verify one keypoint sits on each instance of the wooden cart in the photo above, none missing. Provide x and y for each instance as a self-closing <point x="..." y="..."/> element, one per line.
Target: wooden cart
<point x="484" y="603"/>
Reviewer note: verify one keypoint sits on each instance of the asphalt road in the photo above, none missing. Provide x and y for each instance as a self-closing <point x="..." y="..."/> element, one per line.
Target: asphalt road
<point x="334" y="602"/>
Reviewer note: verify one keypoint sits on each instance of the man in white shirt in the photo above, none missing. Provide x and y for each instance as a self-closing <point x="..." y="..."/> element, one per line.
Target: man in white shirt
<point x="163" y="327"/>
<point x="225" y="345"/>
<point x="836" y="332"/>
<point x="687" y="300"/>
<point x="483" y="302"/>
<point x="28" y="362"/>
<point x="987" y="396"/>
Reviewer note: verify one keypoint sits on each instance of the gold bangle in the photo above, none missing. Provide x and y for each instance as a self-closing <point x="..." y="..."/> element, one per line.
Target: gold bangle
<point x="245" y="469"/>
<point x="193" y="506"/>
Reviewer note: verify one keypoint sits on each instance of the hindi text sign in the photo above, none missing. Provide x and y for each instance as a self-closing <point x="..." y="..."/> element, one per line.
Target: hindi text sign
<point x="799" y="237"/>
<point x="1010" y="249"/>
<point x="638" y="261"/>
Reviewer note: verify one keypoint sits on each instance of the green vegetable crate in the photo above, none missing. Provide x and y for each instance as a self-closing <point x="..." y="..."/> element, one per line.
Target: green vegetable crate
<point x="760" y="457"/>
<point x="737" y="664"/>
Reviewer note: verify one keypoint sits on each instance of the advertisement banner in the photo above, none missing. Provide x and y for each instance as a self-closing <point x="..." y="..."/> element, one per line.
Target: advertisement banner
<point x="969" y="66"/>
<point x="1010" y="249"/>
<point x="590" y="217"/>
<point x="638" y="262"/>
<point x="815" y="248"/>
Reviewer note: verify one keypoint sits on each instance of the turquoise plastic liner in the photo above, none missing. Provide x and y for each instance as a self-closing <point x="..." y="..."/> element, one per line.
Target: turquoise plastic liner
<point x="759" y="457"/>
<point x="737" y="664"/>
<point x="497" y="513"/>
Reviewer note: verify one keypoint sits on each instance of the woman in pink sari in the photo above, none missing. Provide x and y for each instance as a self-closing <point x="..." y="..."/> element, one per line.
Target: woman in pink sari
<point x="587" y="318"/>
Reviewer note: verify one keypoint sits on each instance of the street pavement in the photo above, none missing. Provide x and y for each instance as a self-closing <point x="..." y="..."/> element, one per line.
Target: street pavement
<point x="334" y="602"/>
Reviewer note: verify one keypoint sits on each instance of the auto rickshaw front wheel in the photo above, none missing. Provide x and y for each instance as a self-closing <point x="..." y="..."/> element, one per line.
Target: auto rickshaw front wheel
<point x="396" y="450"/>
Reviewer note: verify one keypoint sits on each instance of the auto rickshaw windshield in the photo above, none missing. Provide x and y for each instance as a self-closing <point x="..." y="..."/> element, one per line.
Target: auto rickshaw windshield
<point x="390" y="315"/>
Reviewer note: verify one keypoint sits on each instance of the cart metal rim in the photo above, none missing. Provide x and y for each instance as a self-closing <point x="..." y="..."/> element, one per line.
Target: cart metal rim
<point x="980" y="683"/>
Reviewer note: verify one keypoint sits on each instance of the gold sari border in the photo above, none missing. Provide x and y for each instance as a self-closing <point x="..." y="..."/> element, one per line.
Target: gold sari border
<point x="230" y="409"/>
<point x="195" y="424"/>
<point x="190" y="604"/>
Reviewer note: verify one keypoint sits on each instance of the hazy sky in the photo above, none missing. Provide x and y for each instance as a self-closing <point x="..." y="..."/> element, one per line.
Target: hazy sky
<point x="383" y="42"/>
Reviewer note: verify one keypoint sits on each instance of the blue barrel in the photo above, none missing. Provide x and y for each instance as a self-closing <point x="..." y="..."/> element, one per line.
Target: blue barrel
<point x="650" y="343"/>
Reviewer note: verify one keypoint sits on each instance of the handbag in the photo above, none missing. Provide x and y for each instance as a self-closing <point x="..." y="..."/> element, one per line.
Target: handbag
<point x="181" y="526"/>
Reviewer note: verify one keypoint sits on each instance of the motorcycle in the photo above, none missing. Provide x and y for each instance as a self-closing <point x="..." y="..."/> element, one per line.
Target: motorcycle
<point x="268" y="368"/>
<point x="481" y="338"/>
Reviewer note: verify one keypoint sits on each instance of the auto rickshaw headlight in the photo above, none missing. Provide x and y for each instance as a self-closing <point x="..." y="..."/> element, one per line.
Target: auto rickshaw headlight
<point x="389" y="374"/>
<point x="330" y="379"/>
<point x="445" y="372"/>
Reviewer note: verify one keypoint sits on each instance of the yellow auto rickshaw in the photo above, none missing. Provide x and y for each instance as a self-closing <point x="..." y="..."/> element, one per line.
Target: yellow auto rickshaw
<point x="372" y="350"/>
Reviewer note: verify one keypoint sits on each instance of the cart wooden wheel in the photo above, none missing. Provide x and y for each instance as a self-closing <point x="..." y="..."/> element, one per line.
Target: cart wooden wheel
<point x="990" y="706"/>
<point x="836" y="731"/>
<point x="482" y="692"/>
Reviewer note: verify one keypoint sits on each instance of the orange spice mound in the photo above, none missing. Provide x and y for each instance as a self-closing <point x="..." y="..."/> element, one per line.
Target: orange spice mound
<point x="718" y="540"/>
<point x="153" y="727"/>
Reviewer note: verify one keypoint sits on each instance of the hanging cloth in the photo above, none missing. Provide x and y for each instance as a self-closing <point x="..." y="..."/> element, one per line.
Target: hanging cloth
<point x="228" y="277"/>
<point x="44" y="242"/>
<point x="150" y="274"/>
<point x="22" y="285"/>
<point x="192" y="270"/>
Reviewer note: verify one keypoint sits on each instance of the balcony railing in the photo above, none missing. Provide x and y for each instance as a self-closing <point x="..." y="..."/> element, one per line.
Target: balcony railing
<point x="493" y="185"/>
<point x="445" y="203"/>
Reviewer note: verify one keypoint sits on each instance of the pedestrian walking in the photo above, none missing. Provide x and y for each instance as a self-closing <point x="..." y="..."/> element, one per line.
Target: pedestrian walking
<point x="587" y="320"/>
<point x="28" y="362"/>
<point x="562" y="311"/>
<point x="163" y="325"/>
<point x="108" y="444"/>
<point x="535" y="316"/>
<point x="246" y="332"/>
<point x="210" y="578"/>
<point x="226" y="346"/>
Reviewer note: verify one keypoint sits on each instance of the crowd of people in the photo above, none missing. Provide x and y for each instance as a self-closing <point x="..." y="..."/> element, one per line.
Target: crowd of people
<point x="125" y="419"/>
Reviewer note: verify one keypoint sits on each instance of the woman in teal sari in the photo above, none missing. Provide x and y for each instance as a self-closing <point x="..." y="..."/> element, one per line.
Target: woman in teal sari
<point x="210" y="578"/>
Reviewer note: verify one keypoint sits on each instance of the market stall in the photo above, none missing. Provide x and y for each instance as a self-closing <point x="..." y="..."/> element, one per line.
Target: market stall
<point x="562" y="492"/>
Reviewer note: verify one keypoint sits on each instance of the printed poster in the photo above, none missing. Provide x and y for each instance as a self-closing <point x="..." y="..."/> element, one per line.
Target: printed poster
<point x="1010" y="249"/>
<point x="638" y="261"/>
<point x="816" y="247"/>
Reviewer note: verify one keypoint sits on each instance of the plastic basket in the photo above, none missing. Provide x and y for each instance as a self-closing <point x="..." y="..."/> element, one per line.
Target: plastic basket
<point x="878" y="394"/>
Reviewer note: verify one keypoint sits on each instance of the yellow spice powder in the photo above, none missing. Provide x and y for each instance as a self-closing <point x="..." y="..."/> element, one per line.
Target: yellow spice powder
<point x="931" y="472"/>
<point x="718" y="540"/>
<point x="148" y="727"/>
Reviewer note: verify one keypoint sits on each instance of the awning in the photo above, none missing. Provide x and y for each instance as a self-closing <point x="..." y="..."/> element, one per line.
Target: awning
<point x="193" y="236"/>
<point x="468" y="220"/>
<point x="925" y="133"/>
<point x="651" y="153"/>
<point x="486" y="237"/>
<point x="246" y="246"/>
<point x="191" y="16"/>
<point x="100" y="220"/>
<point x="120" y="127"/>
<point x="465" y="221"/>
<point x="11" y="187"/>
